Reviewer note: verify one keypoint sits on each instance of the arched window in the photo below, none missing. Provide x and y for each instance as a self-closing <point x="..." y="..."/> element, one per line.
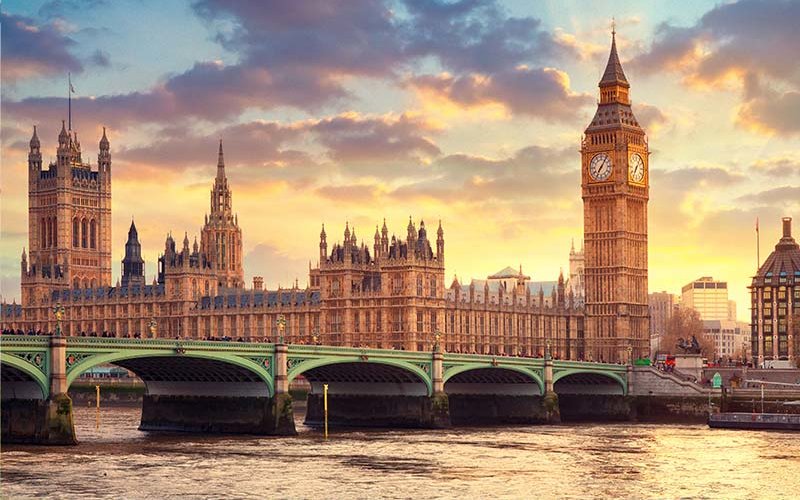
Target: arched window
<point x="76" y="283"/>
<point x="75" y="232"/>
<point x="44" y="233"/>
<point x="84" y="233"/>
<point x="55" y="232"/>
<point x="94" y="283"/>
<point x="93" y="234"/>
<point x="85" y="282"/>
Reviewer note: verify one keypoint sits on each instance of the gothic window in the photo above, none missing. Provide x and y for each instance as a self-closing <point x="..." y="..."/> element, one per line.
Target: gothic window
<point x="85" y="282"/>
<point x="93" y="234"/>
<point x="433" y="321"/>
<point x="419" y="286"/>
<point x="44" y="233"/>
<point x="432" y="290"/>
<point x="55" y="232"/>
<point x="94" y="283"/>
<point x="84" y="233"/>
<point x="419" y="322"/>
<point x="76" y="283"/>
<point x="356" y="321"/>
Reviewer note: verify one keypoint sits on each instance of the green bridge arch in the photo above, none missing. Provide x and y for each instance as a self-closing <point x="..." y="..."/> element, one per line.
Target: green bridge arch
<point x="455" y="370"/>
<point x="42" y="379"/>
<point x="603" y="373"/>
<point x="112" y="357"/>
<point x="310" y="364"/>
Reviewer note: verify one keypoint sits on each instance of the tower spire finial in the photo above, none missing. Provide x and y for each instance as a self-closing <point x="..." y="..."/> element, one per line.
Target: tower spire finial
<point x="613" y="27"/>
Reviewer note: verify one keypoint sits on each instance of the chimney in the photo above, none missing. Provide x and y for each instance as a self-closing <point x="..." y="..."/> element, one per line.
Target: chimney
<point x="787" y="227"/>
<point x="258" y="283"/>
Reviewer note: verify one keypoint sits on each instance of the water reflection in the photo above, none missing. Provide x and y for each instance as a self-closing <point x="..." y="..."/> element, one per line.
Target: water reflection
<point x="578" y="461"/>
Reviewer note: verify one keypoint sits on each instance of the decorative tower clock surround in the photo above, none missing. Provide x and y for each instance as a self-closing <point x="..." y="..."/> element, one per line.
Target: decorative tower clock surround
<point x="615" y="185"/>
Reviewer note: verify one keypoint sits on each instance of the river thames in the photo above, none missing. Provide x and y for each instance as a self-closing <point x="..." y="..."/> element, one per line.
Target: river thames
<point x="565" y="461"/>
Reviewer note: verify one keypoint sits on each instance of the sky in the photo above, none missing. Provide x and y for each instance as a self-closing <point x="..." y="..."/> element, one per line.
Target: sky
<point x="470" y="112"/>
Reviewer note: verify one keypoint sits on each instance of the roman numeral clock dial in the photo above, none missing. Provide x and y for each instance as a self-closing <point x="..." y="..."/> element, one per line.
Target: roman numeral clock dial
<point x="636" y="169"/>
<point x="600" y="167"/>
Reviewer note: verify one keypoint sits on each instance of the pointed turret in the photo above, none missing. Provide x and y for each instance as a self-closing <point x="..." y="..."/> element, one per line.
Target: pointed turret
<point x="35" y="144"/>
<point x="613" y="75"/>
<point x="133" y="263"/>
<point x="220" y="162"/>
<point x="104" y="145"/>
<point x="63" y="136"/>
<point x="323" y="246"/>
<point x="440" y="243"/>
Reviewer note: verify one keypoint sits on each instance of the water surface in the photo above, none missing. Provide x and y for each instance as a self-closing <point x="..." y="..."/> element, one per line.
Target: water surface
<point x="569" y="461"/>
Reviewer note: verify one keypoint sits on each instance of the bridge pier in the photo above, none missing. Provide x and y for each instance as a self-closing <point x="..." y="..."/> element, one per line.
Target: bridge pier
<point x="43" y="421"/>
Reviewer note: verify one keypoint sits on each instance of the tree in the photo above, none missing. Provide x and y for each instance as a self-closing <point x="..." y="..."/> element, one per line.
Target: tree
<point x="684" y="323"/>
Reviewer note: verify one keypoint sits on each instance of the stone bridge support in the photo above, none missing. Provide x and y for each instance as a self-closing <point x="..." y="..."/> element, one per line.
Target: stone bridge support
<point x="47" y="420"/>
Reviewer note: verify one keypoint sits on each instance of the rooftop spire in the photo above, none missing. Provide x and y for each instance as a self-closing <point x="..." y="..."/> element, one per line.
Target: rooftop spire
<point x="220" y="162"/>
<point x="613" y="75"/>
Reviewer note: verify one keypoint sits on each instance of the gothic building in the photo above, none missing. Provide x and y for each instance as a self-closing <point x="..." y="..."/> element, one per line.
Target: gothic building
<point x="775" y="295"/>
<point x="390" y="294"/>
<point x="69" y="219"/>
<point x="615" y="183"/>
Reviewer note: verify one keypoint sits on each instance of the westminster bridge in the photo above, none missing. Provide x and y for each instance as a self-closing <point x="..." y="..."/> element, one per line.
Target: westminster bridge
<point x="241" y="387"/>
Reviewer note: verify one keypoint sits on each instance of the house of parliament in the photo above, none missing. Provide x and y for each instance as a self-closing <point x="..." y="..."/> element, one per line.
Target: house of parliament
<point x="387" y="294"/>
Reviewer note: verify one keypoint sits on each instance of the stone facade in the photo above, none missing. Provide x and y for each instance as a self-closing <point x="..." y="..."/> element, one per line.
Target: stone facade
<point x="615" y="182"/>
<point x="775" y="295"/>
<point x="389" y="295"/>
<point x="69" y="219"/>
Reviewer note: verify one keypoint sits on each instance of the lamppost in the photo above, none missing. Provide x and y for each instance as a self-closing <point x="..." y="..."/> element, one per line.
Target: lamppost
<point x="314" y="336"/>
<point x="436" y="337"/>
<point x="630" y="355"/>
<point x="58" y="310"/>
<point x="281" y="323"/>
<point x="547" y="349"/>
<point x="152" y="327"/>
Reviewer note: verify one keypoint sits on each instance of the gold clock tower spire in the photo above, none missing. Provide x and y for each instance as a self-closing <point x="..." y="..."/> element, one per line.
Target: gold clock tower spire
<point x="615" y="186"/>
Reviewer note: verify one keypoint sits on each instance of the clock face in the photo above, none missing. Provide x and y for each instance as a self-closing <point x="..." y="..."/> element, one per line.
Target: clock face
<point x="636" y="168"/>
<point x="600" y="167"/>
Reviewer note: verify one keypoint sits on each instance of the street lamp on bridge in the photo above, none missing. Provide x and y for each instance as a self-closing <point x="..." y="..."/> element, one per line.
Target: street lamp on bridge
<point x="58" y="310"/>
<point x="281" y="323"/>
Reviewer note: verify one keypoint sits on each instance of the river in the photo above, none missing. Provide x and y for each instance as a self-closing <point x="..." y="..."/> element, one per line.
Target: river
<point x="565" y="461"/>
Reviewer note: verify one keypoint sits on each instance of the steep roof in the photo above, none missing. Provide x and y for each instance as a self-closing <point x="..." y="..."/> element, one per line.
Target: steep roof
<point x="613" y="73"/>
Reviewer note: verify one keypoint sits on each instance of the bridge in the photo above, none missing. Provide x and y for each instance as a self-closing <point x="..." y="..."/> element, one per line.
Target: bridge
<point x="242" y="387"/>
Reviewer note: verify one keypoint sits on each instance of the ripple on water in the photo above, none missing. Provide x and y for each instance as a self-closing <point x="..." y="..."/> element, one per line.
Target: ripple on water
<point x="564" y="461"/>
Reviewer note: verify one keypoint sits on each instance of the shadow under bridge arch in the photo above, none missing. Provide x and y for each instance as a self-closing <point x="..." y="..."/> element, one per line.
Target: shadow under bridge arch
<point x="188" y="374"/>
<point x="493" y="380"/>
<point x="359" y="377"/>
<point x="21" y="379"/>
<point x="589" y="382"/>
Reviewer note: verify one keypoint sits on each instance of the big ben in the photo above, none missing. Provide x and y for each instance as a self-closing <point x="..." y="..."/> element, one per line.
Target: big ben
<point x="615" y="183"/>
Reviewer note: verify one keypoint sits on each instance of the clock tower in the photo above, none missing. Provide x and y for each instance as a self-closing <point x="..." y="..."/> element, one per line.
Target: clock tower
<point x="615" y="179"/>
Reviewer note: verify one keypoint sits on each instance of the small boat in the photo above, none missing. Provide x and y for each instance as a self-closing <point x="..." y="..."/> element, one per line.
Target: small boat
<point x="760" y="421"/>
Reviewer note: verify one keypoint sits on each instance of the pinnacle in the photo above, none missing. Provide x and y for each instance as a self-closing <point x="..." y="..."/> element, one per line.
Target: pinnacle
<point x="613" y="73"/>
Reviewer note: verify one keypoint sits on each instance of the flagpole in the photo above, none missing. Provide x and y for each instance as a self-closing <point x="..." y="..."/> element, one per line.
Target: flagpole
<point x="69" y="99"/>
<point x="758" y="247"/>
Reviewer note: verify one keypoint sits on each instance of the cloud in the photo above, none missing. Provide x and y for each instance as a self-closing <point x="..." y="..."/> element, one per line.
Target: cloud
<point x="30" y="50"/>
<point x="777" y="197"/>
<point x="533" y="172"/>
<point x="695" y="178"/>
<point x="778" y="167"/>
<point x="768" y="111"/>
<point x="728" y="47"/>
<point x="478" y="36"/>
<point x="541" y="93"/>
<point x="351" y="138"/>
<point x="650" y="117"/>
